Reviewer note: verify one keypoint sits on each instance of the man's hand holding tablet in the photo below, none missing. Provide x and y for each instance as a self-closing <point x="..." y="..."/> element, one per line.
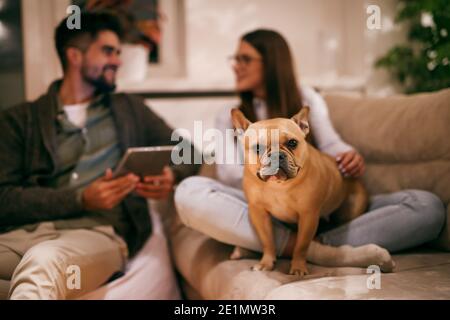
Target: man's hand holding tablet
<point x="143" y="170"/>
<point x="106" y="192"/>
<point x="157" y="187"/>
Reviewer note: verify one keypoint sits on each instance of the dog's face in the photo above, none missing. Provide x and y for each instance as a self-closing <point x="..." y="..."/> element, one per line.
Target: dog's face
<point x="273" y="149"/>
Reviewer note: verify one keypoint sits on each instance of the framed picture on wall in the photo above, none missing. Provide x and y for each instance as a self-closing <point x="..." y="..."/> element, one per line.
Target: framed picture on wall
<point x="141" y="20"/>
<point x="153" y="44"/>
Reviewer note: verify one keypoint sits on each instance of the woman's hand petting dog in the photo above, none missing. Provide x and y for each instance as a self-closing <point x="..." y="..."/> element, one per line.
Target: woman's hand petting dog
<point x="351" y="164"/>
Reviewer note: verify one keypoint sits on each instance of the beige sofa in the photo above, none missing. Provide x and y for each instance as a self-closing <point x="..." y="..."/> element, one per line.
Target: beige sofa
<point x="406" y="143"/>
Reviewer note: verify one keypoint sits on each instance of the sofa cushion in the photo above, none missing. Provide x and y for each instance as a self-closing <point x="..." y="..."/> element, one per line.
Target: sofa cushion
<point x="365" y="123"/>
<point x="139" y="281"/>
<point x="405" y="141"/>
<point x="415" y="275"/>
<point x="209" y="274"/>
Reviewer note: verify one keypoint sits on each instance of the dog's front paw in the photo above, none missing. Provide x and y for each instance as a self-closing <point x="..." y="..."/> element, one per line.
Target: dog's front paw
<point x="263" y="267"/>
<point x="266" y="264"/>
<point x="299" y="268"/>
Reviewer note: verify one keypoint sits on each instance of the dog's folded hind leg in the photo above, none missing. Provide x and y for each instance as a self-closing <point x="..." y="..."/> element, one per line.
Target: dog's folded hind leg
<point x="348" y="256"/>
<point x="354" y="205"/>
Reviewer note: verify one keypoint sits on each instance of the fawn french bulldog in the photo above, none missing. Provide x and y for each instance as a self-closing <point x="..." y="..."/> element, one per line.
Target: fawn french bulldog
<point x="287" y="178"/>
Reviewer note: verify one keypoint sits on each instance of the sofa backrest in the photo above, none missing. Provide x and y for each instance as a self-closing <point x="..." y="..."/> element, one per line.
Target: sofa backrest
<point x="404" y="139"/>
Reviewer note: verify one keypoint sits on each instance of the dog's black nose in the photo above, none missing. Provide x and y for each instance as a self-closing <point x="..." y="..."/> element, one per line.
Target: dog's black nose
<point x="282" y="156"/>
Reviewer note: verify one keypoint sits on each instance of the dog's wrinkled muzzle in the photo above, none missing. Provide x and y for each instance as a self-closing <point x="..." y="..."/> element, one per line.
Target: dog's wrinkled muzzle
<point x="277" y="166"/>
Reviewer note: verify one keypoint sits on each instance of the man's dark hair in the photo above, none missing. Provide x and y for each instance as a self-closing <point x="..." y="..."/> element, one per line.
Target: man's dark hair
<point x="92" y="23"/>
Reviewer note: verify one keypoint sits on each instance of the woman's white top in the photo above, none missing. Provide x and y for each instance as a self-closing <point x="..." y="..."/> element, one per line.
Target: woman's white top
<point x="325" y="136"/>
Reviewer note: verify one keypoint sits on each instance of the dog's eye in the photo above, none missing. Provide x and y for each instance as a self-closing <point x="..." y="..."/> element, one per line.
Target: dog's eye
<point x="292" y="144"/>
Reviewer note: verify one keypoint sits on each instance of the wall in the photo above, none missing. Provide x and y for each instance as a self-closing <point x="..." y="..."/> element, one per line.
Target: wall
<point x="376" y="43"/>
<point x="331" y="44"/>
<point x="39" y="20"/>
<point x="315" y="30"/>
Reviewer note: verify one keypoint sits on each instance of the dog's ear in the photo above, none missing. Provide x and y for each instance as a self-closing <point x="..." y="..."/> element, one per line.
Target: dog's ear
<point x="301" y="118"/>
<point x="239" y="120"/>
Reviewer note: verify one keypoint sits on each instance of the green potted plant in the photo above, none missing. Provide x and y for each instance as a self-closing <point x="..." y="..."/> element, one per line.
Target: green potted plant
<point x="422" y="64"/>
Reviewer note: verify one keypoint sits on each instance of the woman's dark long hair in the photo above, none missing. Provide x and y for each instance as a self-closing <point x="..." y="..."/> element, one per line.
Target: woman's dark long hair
<point x="283" y="98"/>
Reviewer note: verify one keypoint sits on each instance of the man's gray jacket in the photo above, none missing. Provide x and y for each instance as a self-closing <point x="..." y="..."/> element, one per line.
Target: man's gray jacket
<point x="28" y="162"/>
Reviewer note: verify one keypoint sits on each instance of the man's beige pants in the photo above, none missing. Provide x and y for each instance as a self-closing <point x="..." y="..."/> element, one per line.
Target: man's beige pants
<point x="58" y="264"/>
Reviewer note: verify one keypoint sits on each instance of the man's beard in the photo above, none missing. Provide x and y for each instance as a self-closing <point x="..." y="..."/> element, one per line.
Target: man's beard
<point x="100" y="83"/>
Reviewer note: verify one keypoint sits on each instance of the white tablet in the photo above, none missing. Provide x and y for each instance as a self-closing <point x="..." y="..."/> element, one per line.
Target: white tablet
<point x="146" y="161"/>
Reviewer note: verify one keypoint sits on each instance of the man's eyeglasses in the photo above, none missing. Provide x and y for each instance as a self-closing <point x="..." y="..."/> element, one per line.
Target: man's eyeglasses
<point x="243" y="59"/>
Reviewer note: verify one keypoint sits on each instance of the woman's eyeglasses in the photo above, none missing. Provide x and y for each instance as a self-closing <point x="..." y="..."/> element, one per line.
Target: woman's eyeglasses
<point x="243" y="59"/>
